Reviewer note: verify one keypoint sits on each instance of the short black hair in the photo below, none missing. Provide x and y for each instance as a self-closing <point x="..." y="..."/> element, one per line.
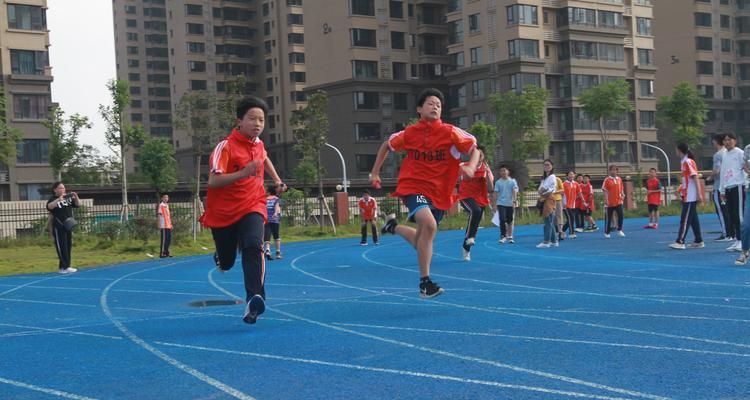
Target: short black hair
<point x="367" y="192"/>
<point x="55" y="185"/>
<point x="430" y="92"/>
<point x="719" y="138"/>
<point x="251" y="102"/>
<point x="613" y="166"/>
<point x="480" y="147"/>
<point x="730" y="135"/>
<point x="652" y="169"/>
<point x="587" y="176"/>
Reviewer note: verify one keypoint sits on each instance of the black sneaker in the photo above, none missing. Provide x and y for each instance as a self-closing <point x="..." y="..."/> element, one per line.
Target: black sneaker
<point x="390" y="225"/>
<point x="268" y="255"/>
<point x="429" y="289"/>
<point x="218" y="264"/>
<point x="254" y="308"/>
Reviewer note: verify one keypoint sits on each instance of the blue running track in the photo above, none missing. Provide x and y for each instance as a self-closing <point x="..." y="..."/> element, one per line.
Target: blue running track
<point x="596" y="318"/>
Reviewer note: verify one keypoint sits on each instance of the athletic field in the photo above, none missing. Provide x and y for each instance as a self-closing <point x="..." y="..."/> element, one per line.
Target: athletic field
<point x="596" y="318"/>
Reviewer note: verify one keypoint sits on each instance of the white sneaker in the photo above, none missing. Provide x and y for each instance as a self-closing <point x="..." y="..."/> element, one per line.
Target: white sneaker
<point x="573" y="236"/>
<point x="543" y="246"/>
<point x="579" y="230"/>
<point x="466" y="255"/>
<point x="502" y="240"/>
<point x="607" y="235"/>
<point x="510" y="240"/>
<point x="70" y="270"/>
<point x="699" y="245"/>
<point x="736" y="246"/>
<point x="678" y="246"/>
<point x="555" y="244"/>
<point x="469" y="242"/>
<point x="620" y="233"/>
<point x="742" y="260"/>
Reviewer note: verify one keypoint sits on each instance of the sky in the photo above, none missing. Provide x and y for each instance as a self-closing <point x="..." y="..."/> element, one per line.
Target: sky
<point x="82" y="56"/>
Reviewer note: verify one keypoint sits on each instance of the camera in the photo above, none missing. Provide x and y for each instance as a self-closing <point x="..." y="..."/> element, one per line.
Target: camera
<point x="69" y="196"/>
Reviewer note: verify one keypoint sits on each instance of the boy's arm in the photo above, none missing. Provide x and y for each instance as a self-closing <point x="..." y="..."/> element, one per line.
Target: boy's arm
<point x="272" y="171"/>
<point x="701" y="189"/>
<point x="217" y="180"/>
<point x="379" y="160"/>
<point x="470" y="167"/>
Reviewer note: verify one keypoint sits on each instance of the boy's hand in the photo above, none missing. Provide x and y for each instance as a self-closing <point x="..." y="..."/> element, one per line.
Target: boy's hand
<point x="467" y="172"/>
<point x="251" y="169"/>
<point x="375" y="181"/>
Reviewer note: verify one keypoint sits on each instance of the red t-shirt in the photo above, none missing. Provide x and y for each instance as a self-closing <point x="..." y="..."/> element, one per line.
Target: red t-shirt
<point x="226" y="205"/>
<point x="367" y="208"/>
<point x="571" y="190"/>
<point x="688" y="188"/>
<point x="476" y="187"/>
<point x="615" y="190"/>
<point x="430" y="168"/>
<point x="587" y="192"/>
<point x="653" y="185"/>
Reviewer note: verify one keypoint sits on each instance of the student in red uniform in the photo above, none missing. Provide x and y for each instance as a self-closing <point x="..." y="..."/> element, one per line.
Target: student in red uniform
<point x="368" y="210"/>
<point x="692" y="193"/>
<point x="165" y="226"/>
<point x="587" y="203"/>
<point x="572" y="194"/>
<point x="653" y="186"/>
<point x="579" y="205"/>
<point x="236" y="201"/>
<point x="474" y="197"/>
<point x="614" y="195"/>
<point x="427" y="177"/>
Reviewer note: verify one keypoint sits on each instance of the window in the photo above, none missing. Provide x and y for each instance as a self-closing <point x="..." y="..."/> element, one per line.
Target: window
<point x="522" y="14"/>
<point x="648" y="119"/>
<point x="474" y="23"/>
<point x="367" y="132"/>
<point x="587" y="152"/>
<point x="154" y="12"/>
<point x="744" y="72"/>
<point x="269" y="84"/>
<point x="28" y="62"/>
<point x="136" y="117"/>
<point x="296" y="58"/>
<point x="31" y="106"/>
<point x="646" y="87"/>
<point x="727" y="92"/>
<point x="134" y="63"/>
<point x="610" y="19"/>
<point x="519" y="81"/>
<point x="198" y="85"/>
<point x="157" y="52"/>
<point x="364" y="69"/>
<point x="134" y="77"/>
<point x="645" y="57"/>
<point x="704" y="43"/>
<point x="726" y="22"/>
<point x="576" y="16"/>
<point x="298" y="96"/>
<point x="743" y="24"/>
<point x="294" y="19"/>
<point x="269" y="65"/>
<point x="129" y="9"/>
<point x="477" y="89"/>
<point x="400" y="101"/>
<point x="131" y="23"/>
<point x="32" y="191"/>
<point x="702" y="19"/>
<point x="193" y="9"/>
<point x="704" y="67"/>
<point x="726" y="69"/>
<point x="27" y="17"/>
<point x="296" y="38"/>
<point x="196" y="66"/>
<point x="196" y="47"/>
<point x="475" y="54"/>
<point x="296" y="76"/>
<point x="454" y="5"/>
<point x="621" y="151"/>
<point x="297" y="3"/>
<point x="156" y="38"/>
<point x="366" y="100"/>
<point x="580" y="83"/>
<point x="726" y="45"/>
<point x="523" y="48"/>
<point x="458" y="96"/>
<point x="457" y="60"/>
<point x="399" y="70"/>
<point x="364" y="162"/>
<point x="160" y="26"/>
<point x="271" y="103"/>
<point x="158" y="91"/>
<point x="457" y="32"/>
<point x="362" y="7"/>
<point x="135" y="90"/>
<point x="158" y="78"/>
<point x="398" y="40"/>
<point x="158" y="65"/>
<point x="643" y="26"/>
<point x="194" y="29"/>
<point x="396" y="9"/>
<point x="706" y="91"/>
<point x="583" y="50"/>
<point x="159" y="105"/>
<point x="32" y="151"/>
<point x="611" y="52"/>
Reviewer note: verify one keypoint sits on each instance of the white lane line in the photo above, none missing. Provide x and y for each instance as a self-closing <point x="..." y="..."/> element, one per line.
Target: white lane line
<point x="333" y="300"/>
<point x="431" y="350"/>
<point x="672" y="316"/>
<point x="53" y="392"/>
<point x="59" y="330"/>
<point x="391" y="371"/>
<point x="17" y="287"/>
<point x="531" y="316"/>
<point x="121" y="290"/>
<point x="103" y="301"/>
<point x="544" y="339"/>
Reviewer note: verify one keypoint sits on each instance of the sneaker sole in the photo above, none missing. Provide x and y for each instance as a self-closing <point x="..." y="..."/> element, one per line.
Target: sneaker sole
<point x="255" y="307"/>
<point x="429" y="296"/>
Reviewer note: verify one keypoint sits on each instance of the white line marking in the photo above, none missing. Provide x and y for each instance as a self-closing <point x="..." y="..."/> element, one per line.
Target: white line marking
<point x="625" y="314"/>
<point x="431" y="350"/>
<point x="60" y="330"/>
<point x="544" y="339"/>
<point x="390" y="371"/>
<point x="25" y="284"/>
<point x="120" y="290"/>
<point x="140" y="342"/>
<point x="54" y="392"/>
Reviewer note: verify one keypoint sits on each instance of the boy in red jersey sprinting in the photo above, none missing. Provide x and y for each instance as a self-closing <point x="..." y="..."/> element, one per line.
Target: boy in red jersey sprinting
<point x="236" y="201"/>
<point x="474" y="197"/>
<point x="653" y="186"/>
<point x="427" y="177"/>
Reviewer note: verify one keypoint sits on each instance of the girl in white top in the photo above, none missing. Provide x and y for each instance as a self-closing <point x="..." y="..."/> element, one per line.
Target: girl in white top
<point x="731" y="188"/>
<point x="546" y="188"/>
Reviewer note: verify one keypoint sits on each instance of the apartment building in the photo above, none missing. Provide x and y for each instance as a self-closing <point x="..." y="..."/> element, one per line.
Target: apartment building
<point x="167" y="47"/>
<point x="707" y="43"/>
<point x="26" y="79"/>
<point x="373" y="56"/>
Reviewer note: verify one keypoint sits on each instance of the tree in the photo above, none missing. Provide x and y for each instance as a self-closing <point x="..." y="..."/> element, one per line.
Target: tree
<point x="9" y="135"/>
<point x="311" y="133"/>
<point x="519" y="116"/>
<point x="120" y="134"/>
<point x="486" y="135"/>
<point x="606" y="102"/>
<point x="686" y="110"/>
<point x="63" y="138"/>
<point x="158" y="164"/>
<point x="89" y="167"/>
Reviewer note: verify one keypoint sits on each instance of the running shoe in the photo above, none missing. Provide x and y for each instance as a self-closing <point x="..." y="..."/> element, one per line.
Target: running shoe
<point x="278" y="255"/>
<point x="390" y="225"/>
<point x="678" y="246"/>
<point x="503" y="240"/>
<point x="543" y="246"/>
<point x="429" y="289"/>
<point x="573" y="236"/>
<point x="68" y="270"/>
<point x="254" y="308"/>
<point x="268" y="255"/>
<point x="620" y="233"/>
<point x="579" y="230"/>
<point x="742" y="260"/>
<point x="465" y="255"/>
<point x="510" y="240"/>
<point x="363" y="243"/>
<point x="697" y="245"/>
<point x="606" y="235"/>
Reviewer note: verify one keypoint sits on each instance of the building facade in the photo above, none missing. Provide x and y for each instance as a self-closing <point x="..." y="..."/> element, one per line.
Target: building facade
<point x="26" y="79"/>
<point x="707" y="43"/>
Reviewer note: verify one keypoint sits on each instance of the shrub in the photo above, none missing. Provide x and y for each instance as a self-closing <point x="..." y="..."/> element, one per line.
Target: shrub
<point x="108" y="230"/>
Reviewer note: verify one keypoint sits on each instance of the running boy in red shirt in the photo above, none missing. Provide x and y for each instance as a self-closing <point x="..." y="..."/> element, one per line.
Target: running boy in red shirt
<point x="236" y="201"/>
<point x="368" y="209"/>
<point x="614" y="194"/>
<point x="653" y="186"/>
<point x="474" y="197"/>
<point x="427" y="177"/>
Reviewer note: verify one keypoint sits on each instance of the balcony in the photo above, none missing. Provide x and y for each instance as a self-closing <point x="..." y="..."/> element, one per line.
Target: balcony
<point x="616" y="30"/>
<point x="552" y="3"/>
<point x="552" y="36"/>
<point x="4" y="176"/>
<point x="432" y="29"/>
